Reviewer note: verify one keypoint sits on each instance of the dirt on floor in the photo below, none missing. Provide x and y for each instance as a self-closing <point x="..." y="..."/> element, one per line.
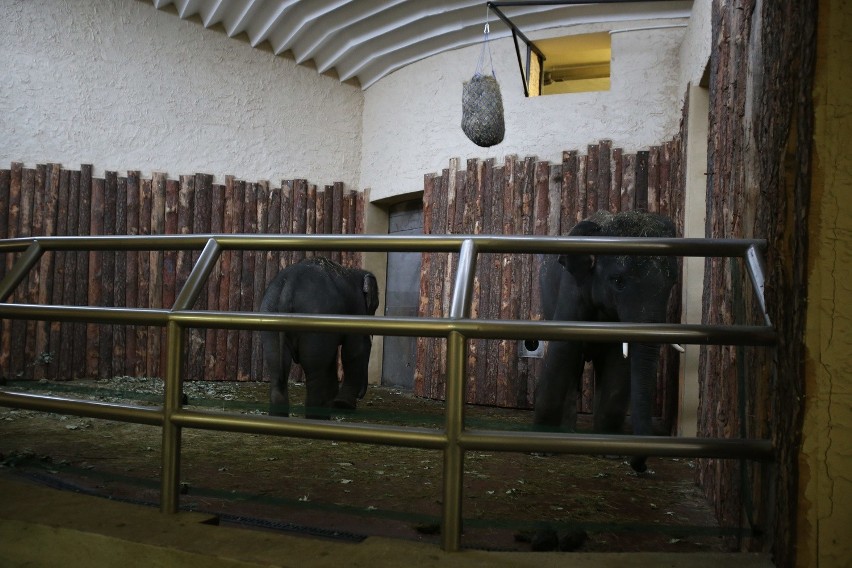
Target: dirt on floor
<point x="348" y="490"/>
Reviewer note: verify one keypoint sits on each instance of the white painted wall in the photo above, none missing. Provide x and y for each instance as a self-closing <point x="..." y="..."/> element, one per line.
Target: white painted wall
<point x="119" y="84"/>
<point x="412" y="117"/>
<point x="697" y="44"/>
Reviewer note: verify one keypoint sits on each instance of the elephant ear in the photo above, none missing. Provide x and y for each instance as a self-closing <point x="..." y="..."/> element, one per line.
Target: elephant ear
<point x="580" y="265"/>
<point x="370" y="288"/>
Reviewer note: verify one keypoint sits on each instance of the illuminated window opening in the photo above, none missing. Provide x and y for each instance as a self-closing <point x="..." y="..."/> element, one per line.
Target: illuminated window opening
<point x="576" y="64"/>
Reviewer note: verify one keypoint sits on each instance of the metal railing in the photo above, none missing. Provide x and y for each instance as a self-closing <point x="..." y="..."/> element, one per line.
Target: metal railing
<point x="454" y="440"/>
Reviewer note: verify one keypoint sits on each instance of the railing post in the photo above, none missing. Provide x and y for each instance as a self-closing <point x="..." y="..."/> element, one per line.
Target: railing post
<point x="170" y="449"/>
<point x="456" y="362"/>
<point x="175" y="346"/>
<point x="453" y="453"/>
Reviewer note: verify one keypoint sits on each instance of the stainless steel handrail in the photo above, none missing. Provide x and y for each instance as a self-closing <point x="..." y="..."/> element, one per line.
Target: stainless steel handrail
<point x="454" y="440"/>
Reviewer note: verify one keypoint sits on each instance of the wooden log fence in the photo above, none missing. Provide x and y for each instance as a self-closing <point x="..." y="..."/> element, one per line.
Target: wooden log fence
<point x="50" y="200"/>
<point x="532" y="197"/>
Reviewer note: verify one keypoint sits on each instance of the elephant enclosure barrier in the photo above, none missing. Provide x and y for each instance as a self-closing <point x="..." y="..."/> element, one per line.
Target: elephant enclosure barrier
<point x="49" y="200"/>
<point x="458" y="329"/>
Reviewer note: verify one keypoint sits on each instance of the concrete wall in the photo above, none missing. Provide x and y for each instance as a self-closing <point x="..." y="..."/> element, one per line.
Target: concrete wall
<point x="825" y="504"/>
<point x="119" y="84"/>
<point x="412" y="117"/>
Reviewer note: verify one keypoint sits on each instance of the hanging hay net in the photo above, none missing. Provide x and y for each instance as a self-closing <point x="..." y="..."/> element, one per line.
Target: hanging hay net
<point x="482" y="104"/>
<point x="482" y="111"/>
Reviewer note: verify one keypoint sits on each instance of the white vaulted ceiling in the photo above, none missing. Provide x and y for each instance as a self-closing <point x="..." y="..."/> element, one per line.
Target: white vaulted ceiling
<point x="364" y="40"/>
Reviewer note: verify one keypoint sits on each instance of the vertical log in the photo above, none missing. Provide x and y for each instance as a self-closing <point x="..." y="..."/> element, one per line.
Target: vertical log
<point x="359" y="212"/>
<point x="45" y="214"/>
<point x="593" y="203"/>
<point x="451" y="198"/>
<point x="547" y="180"/>
<point x="131" y="289"/>
<point x="73" y="279"/>
<point x="107" y="279"/>
<point x="489" y="265"/>
<point x="473" y="224"/>
<point x="654" y="180"/>
<point x="238" y="189"/>
<point x="273" y="226"/>
<point x="227" y="358"/>
<point x="524" y="226"/>
<point x="358" y="196"/>
<point x="58" y="347"/>
<point x="144" y="367"/>
<point x="570" y="201"/>
<point x="170" y="257"/>
<point x="196" y="359"/>
<point x="337" y="215"/>
<point x="423" y="360"/>
<point x="320" y="221"/>
<point x="605" y="175"/>
<point x="507" y="349"/>
<point x="310" y="213"/>
<point x="300" y="199"/>
<point x="156" y="278"/>
<point x="617" y="176"/>
<point x="119" y="346"/>
<point x="583" y="209"/>
<point x="286" y="217"/>
<point x="24" y="331"/>
<point x="554" y="201"/>
<point x="640" y="200"/>
<point x="436" y="284"/>
<point x="247" y="282"/>
<point x="328" y="210"/>
<point x="488" y="393"/>
<point x="95" y="278"/>
<point x="259" y="276"/>
<point x="665" y="181"/>
<point x="628" y="182"/>
<point x="5" y="181"/>
<point x="13" y="330"/>
<point x="81" y="290"/>
<point x="5" y="213"/>
<point x="351" y="199"/>
<point x="213" y="357"/>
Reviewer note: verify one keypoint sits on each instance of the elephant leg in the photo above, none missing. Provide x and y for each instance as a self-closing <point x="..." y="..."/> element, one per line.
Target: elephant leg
<point x="556" y="392"/>
<point x="612" y="390"/>
<point x="278" y="362"/>
<point x="347" y="395"/>
<point x="355" y="356"/>
<point x="318" y="357"/>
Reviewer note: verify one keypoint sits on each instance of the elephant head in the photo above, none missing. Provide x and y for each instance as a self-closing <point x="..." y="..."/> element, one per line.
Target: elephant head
<point x="606" y="288"/>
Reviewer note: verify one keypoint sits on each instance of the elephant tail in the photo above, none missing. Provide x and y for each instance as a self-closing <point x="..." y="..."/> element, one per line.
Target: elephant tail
<point x="278" y="297"/>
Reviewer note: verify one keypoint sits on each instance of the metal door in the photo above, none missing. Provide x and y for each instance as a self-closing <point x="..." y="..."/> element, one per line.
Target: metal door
<point x="402" y="295"/>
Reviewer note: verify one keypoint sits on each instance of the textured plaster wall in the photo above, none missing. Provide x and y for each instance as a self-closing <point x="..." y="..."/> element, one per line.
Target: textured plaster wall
<point x="119" y="84"/>
<point x="825" y="506"/>
<point x="412" y="117"/>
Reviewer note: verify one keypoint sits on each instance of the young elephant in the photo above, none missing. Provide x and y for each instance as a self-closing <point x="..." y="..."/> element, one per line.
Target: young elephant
<point x="605" y="288"/>
<point x="319" y="286"/>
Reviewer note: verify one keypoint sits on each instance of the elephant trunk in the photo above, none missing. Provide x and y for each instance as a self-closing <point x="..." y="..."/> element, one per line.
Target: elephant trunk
<point x="644" y="360"/>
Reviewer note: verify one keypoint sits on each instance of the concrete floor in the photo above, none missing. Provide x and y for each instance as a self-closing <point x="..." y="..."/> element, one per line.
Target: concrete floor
<point x="44" y="527"/>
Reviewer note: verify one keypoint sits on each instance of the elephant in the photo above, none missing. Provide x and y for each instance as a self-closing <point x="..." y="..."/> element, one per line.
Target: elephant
<point x="317" y="285"/>
<point x="605" y="288"/>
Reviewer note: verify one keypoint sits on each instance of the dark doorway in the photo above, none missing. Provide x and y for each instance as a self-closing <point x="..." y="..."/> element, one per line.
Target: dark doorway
<point x="402" y="295"/>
